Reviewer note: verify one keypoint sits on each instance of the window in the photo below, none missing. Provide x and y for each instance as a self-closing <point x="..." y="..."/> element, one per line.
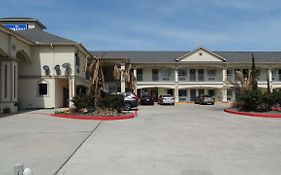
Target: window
<point x="211" y="92"/>
<point x="273" y="74"/>
<point x="77" y="62"/>
<point x="228" y="73"/>
<point x="182" y="92"/>
<point x="182" y="74"/>
<point x="201" y="75"/>
<point x="43" y="88"/>
<point x="211" y="72"/>
<point x="139" y="74"/>
<point x="279" y="74"/>
<point x="154" y="74"/>
<point x="192" y="73"/>
<point x="245" y="73"/>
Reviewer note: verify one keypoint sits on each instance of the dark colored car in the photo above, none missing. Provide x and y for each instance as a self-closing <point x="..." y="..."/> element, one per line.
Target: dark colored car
<point x="146" y="100"/>
<point x="204" y="99"/>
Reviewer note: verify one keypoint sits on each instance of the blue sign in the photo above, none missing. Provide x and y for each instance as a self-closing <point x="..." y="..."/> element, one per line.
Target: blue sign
<point x="16" y="27"/>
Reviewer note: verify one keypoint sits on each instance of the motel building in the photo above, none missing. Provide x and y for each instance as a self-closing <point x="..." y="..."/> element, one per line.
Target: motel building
<point x="42" y="70"/>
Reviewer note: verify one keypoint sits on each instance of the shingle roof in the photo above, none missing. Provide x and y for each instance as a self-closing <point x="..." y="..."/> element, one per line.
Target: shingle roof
<point x="171" y="56"/>
<point x="141" y="56"/>
<point x="40" y="36"/>
<point x="246" y="57"/>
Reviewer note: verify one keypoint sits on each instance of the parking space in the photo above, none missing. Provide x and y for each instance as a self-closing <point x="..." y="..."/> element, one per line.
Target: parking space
<point x="184" y="139"/>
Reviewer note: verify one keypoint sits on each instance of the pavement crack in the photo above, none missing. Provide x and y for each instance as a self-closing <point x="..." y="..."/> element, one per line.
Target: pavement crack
<point x="77" y="149"/>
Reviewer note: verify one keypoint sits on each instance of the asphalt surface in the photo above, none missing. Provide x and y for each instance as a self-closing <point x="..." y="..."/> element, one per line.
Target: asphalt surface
<point x="184" y="139"/>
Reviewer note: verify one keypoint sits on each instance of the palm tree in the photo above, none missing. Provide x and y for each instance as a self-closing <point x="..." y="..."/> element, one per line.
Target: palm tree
<point x="128" y="76"/>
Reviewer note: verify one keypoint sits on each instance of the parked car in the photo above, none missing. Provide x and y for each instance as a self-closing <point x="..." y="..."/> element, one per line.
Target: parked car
<point x="204" y="99"/>
<point x="166" y="99"/>
<point x="146" y="100"/>
<point x="130" y="101"/>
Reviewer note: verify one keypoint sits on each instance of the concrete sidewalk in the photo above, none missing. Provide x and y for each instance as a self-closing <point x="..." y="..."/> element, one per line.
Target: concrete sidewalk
<point x="40" y="142"/>
<point x="181" y="140"/>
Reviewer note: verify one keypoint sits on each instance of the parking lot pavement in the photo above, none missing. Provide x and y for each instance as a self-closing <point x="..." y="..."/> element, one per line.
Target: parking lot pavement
<point x="38" y="141"/>
<point x="184" y="139"/>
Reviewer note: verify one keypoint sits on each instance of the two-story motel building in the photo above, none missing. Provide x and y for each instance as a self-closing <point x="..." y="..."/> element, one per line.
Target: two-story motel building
<point x="42" y="70"/>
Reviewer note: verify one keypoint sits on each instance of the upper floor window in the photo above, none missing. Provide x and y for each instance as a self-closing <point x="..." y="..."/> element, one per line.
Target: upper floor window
<point x="77" y="62"/>
<point x="211" y="72"/>
<point x="139" y="75"/>
<point x="192" y="73"/>
<point x="155" y="75"/>
<point x="181" y="74"/>
<point x="200" y="74"/>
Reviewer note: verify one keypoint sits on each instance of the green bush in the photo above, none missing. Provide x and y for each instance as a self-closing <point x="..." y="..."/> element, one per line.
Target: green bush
<point x="113" y="102"/>
<point x="81" y="102"/>
<point x="251" y="100"/>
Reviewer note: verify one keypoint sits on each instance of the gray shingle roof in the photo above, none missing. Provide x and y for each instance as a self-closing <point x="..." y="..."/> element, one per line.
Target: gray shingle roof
<point x="141" y="56"/>
<point x="40" y="36"/>
<point x="170" y="56"/>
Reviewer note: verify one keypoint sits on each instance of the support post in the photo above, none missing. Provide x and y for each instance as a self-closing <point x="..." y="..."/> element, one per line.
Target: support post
<point x="224" y="89"/>
<point x="176" y="85"/>
<point x="123" y="84"/>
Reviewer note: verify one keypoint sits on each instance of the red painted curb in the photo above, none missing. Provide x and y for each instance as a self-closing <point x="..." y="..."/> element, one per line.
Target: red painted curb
<point x="80" y="117"/>
<point x="252" y="114"/>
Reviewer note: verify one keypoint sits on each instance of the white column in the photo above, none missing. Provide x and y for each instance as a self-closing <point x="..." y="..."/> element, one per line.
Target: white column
<point x="224" y="90"/>
<point x="72" y="90"/>
<point x="176" y="85"/>
<point x="269" y="72"/>
<point x="123" y="85"/>
<point x="135" y="76"/>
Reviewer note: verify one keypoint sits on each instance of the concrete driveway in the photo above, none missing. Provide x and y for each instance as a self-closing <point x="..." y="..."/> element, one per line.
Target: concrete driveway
<point x="184" y="139"/>
<point x="40" y="142"/>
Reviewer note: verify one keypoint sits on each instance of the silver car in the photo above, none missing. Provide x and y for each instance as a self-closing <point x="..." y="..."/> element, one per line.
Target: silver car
<point x="166" y="99"/>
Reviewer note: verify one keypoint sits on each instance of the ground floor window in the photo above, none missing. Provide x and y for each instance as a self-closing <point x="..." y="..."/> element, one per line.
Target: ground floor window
<point x="43" y="88"/>
<point x="211" y="92"/>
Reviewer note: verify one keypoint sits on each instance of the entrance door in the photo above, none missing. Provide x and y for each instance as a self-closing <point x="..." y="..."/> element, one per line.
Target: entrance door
<point x="65" y="97"/>
<point x="201" y="91"/>
<point x="192" y="94"/>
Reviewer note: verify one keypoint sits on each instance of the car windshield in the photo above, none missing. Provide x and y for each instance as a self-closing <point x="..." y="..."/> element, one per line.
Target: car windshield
<point x="167" y="95"/>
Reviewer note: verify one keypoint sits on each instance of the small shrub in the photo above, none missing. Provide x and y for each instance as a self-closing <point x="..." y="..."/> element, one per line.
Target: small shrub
<point x="251" y="100"/>
<point x="81" y="102"/>
<point x="113" y="102"/>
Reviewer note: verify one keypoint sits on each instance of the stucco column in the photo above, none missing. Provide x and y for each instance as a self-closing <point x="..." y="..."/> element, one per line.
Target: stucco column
<point x="224" y="89"/>
<point x="72" y="89"/>
<point x="176" y="85"/>
<point x="269" y="73"/>
<point x="135" y="76"/>
<point x="123" y="85"/>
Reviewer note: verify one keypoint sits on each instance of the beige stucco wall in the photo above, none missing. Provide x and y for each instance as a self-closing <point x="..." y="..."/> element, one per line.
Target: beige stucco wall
<point x="29" y="94"/>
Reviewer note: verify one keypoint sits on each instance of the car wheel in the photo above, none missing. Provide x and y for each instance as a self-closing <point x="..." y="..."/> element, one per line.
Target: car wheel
<point x="173" y="104"/>
<point x="212" y="103"/>
<point x="127" y="106"/>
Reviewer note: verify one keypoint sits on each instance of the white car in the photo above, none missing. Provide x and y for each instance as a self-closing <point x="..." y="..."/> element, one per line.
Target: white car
<point x="166" y="99"/>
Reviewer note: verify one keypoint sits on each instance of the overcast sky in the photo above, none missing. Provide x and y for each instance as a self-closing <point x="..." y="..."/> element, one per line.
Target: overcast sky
<point x="158" y="24"/>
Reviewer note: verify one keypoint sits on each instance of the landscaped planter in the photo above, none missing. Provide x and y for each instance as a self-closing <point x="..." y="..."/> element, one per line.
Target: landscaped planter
<point x="252" y="114"/>
<point x="85" y="117"/>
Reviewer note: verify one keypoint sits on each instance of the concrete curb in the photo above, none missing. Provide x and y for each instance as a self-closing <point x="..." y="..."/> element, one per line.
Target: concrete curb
<point x="80" y="117"/>
<point x="252" y="114"/>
